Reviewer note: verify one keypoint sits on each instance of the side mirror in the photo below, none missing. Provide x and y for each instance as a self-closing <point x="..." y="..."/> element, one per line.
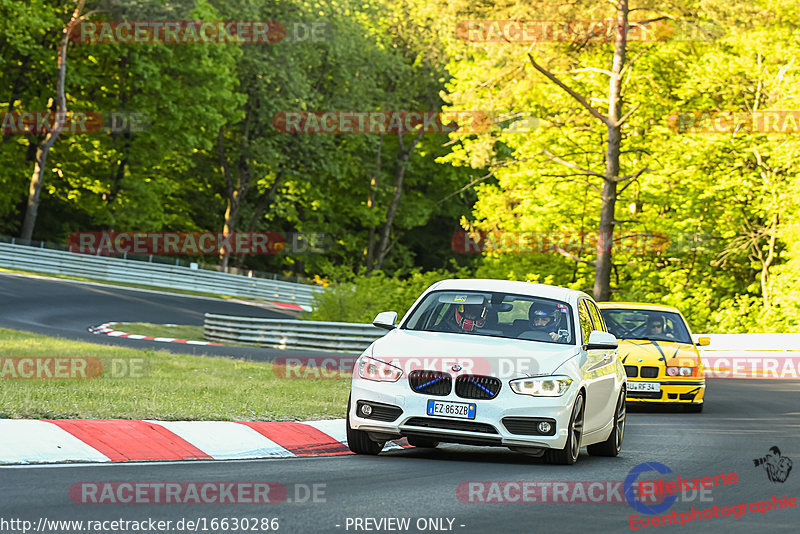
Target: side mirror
<point x="702" y="341"/>
<point x="385" y="320"/>
<point x="601" y="340"/>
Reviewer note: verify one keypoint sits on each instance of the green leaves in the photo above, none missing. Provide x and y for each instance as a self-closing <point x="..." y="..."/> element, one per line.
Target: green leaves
<point x="706" y="191"/>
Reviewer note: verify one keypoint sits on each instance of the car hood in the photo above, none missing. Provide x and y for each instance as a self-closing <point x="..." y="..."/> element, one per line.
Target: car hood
<point x="657" y="353"/>
<point x="484" y="355"/>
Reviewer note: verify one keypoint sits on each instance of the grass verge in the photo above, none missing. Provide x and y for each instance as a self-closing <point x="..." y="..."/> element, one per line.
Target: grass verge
<point x="164" y="387"/>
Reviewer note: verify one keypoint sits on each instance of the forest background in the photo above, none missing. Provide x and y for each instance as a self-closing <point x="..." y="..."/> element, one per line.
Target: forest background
<point x="673" y="143"/>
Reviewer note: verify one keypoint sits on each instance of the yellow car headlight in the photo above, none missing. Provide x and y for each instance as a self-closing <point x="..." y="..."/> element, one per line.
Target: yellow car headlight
<point x="680" y="371"/>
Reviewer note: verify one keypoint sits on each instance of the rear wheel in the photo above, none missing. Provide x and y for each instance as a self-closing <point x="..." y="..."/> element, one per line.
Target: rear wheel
<point x="613" y="444"/>
<point x="423" y="443"/>
<point x="359" y="442"/>
<point x="569" y="454"/>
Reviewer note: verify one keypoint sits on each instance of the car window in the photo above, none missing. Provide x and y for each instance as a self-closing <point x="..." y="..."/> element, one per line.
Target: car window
<point x="654" y="325"/>
<point x="597" y="318"/>
<point x="494" y="314"/>
<point x="586" y="321"/>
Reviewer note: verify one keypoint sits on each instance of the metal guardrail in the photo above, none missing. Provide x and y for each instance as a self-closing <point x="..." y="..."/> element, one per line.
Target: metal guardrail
<point x="290" y="334"/>
<point x="355" y="337"/>
<point x="62" y="262"/>
<point x="752" y="355"/>
<point x="749" y="343"/>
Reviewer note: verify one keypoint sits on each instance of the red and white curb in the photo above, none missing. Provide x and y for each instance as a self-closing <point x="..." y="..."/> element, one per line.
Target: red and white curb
<point x="24" y="441"/>
<point x="296" y="307"/>
<point x="108" y="330"/>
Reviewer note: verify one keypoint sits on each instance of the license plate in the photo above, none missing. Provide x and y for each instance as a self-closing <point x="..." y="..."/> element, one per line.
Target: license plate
<point x="644" y="386"/>
<point x="458" y="410"/>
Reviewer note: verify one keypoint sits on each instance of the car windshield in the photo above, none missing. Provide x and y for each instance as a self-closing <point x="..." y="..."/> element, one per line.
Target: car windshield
<point x="494" y="314"/>
<point x="654" y="325"/>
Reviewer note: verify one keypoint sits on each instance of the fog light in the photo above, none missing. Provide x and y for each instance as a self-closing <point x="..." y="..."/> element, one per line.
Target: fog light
<point x="544" y="427"/>
<point x="366" y="409"/>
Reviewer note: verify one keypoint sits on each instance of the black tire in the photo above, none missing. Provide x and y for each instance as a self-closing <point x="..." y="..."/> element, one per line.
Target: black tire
<point x="359" y="442"/>
<point x="422" y="443"/>
<point x="613" y="444"/>
<point x="569" y="454"/>
<point x="694" y="408"/>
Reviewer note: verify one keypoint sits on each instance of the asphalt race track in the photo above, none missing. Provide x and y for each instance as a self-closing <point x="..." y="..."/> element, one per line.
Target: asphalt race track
<point x="62" y="308"/>
<point x="741" y="421"/>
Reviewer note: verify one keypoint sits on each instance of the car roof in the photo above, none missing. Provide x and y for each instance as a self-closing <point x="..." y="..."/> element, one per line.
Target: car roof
<point x="636" y="306"/>
<point x="509" y="286"/>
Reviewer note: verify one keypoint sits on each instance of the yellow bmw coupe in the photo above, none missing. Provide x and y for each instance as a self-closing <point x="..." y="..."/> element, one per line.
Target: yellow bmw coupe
<point x="661" y="360"/>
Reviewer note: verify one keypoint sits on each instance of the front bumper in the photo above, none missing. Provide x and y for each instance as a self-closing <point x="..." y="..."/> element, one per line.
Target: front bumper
<point x="673" y="391"/>
<point x="487" y="428"/>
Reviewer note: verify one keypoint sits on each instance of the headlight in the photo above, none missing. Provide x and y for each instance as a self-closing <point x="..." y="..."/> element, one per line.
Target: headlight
<point x="550" y="386"/>
<point x="680" y="371"/>
<point x="372" y="369"/>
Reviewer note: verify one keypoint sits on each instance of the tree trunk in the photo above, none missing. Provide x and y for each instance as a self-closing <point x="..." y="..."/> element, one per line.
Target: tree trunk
<point x="260" y="210"/>
<point x="231" y="215"/>
<point x="400" y="172"/>
<point x="43" y="150"/>
<point x="766" y="263"/>
<point x="236" y="189"/>
<point x="605" y="239"/>
<point x="374" y="183"/>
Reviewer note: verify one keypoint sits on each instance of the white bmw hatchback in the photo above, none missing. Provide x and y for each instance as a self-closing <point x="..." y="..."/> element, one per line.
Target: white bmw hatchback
<point x="492" y="363"/>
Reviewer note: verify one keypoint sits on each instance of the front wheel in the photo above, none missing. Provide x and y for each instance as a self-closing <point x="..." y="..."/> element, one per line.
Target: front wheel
<point x="359" y="442"/>
<point x="613" y="444"/>
<point x="569" y="454"/>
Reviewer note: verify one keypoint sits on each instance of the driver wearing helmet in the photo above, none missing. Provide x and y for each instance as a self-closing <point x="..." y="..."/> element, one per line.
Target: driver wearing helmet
<point x="470" y="316"/>
<point x="655" y="327"/>
<point x="466" y="318"/>
<point x="544" y="318"/>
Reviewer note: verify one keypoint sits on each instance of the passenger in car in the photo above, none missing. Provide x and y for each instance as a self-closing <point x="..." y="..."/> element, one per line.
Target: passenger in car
<point x="542" y="323"/>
